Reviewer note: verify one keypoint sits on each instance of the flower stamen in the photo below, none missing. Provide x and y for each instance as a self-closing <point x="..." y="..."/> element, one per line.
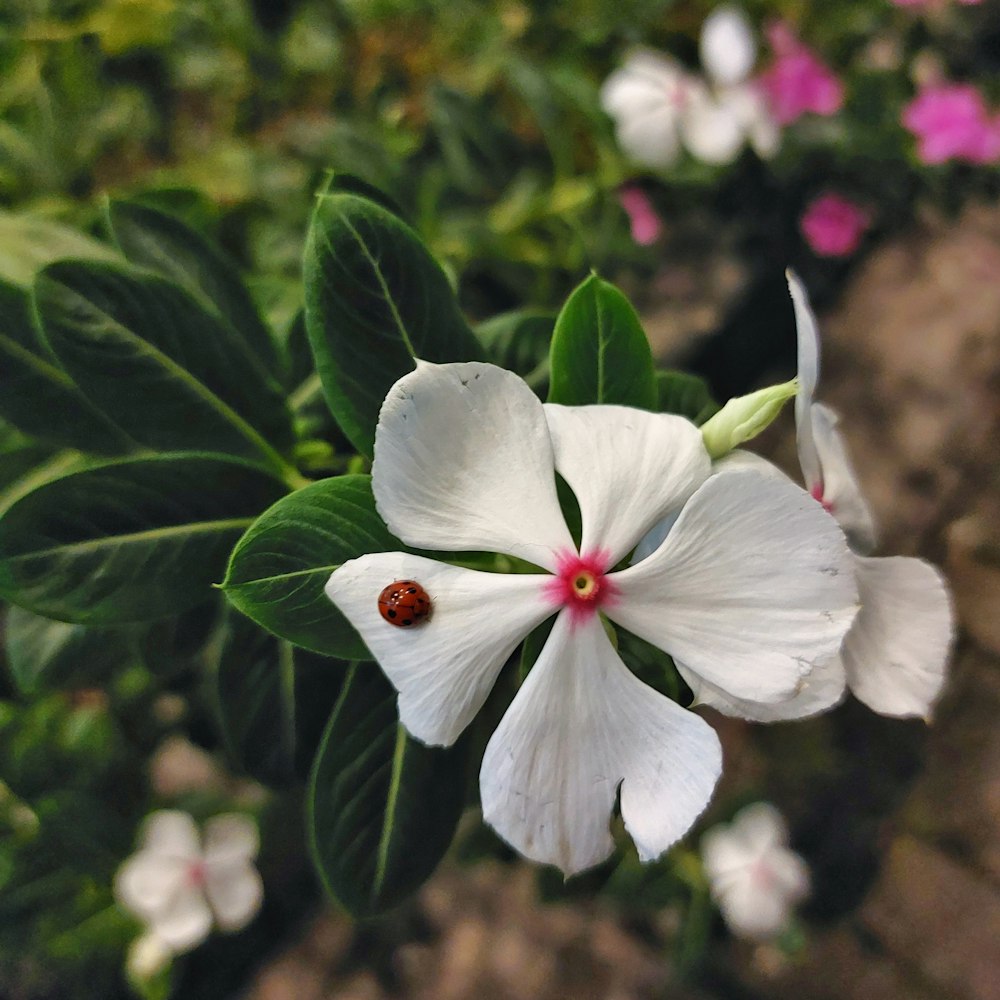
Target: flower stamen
<point x="581" y="584"/>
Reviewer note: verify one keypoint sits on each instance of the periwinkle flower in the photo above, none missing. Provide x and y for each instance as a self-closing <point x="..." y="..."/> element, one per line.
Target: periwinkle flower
<point x="751" y="590"/>
<point x="179" y="885"/>
<point x="754" y="877"/>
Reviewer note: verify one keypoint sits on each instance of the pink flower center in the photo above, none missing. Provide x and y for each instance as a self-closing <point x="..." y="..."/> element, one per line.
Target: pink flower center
<point x="196" y="873"/>
<point x="582" y="584"/>
<point x="817" y="494"/>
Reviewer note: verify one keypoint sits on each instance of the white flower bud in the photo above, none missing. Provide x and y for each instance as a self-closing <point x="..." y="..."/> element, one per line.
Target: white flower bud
<point x="743" y="418"/>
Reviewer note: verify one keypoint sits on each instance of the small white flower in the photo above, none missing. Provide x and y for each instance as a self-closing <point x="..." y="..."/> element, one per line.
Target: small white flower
<point x="894" y="657"/>
<point x="179" y="886"/>
<point x="465" y="460"/>
<point x="646" y="97"/>
<point x="148" y="956"/>
<point x="658" y="106"/>
<point x="755" y="879"/>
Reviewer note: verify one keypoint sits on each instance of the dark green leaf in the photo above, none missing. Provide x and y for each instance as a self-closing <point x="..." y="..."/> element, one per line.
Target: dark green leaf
<point x="519" y="341"/>
<point x="279" y="567"/>
<point x="340" y="181"/>
<point x="130" y="541"/>
<point x="272" y="701"/>
<point x="382" y="808"/>
<point x="44" y="654"/>
<point x="163" y="243"/>
<point x="160" y="365"/>
<point x="36" y="395"/>
<point x="28" y="243"/>
<point x="375" y="300"/>
<point x="686" y="395"/>
<point x="600" y="353"/>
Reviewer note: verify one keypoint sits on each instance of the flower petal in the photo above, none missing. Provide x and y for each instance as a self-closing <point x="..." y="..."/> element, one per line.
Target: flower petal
<point x="807" y="332"/>
<point x="580" y="726"/>
<point x="171" y="833"/>
<point x="231" y="837"/>
<point x="645" y="82"/>
<point x="146" y="882"/>
<point x="752" y="589"/>
<point x="712" y="129"/>
<point x="235" y="892"/>
<point x="650" y="137"/>
<point x="463" y="460"/>
<point x="824" y="688"/>
<point x="727" y="45"/>
<point x="759" y="904"/>
<point x="659" y="457"/>
<point x="841" y="491"/>
<point x="897" y="651"/>
<point x="185" y="921"/>
<point x="444" y="667"/>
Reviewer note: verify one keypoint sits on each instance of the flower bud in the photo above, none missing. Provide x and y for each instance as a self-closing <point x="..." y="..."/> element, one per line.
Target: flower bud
<point x="745" y="417"/>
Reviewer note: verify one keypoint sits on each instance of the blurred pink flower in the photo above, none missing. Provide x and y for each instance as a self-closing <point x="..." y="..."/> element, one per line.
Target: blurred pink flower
<point x="951" y="122"/>
<point x="797" y="81"/>
<point x="833" y="225"/>
<point x="646" y="224"/>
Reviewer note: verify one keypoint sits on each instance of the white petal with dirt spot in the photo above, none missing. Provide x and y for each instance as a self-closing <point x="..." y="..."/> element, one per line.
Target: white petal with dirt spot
<point x="444" y="667"/>
<point x="580" y="726"/>
<point x="823" y="689"/>
<point x="648" y="464"/>
<point x="752" y="589"/>
<point x="897" y="651"/>
<point x="463" y="461"/>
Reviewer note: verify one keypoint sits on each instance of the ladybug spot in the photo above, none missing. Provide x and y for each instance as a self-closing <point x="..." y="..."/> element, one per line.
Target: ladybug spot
<point x="391" y="613"/>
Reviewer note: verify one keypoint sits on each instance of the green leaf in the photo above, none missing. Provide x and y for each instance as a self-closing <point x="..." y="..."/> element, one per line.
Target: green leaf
<point x="342" y="182"/>
<point x="159" y="364"/>
<point x="279" y="567"/>
<point x="382" y="808"/>
<point x="375" y="300"/>
<point x="129" y="541"/>
<point x="29" y="243"/>
<point x="36" y="395"/>
<point x="519" y="341"/>
<point x="163" y="243"/>
<point x="600" y="353"/>
<point x="686" y="395"/>
<point x="272" y="701"/>
<point x="44" y="654"/>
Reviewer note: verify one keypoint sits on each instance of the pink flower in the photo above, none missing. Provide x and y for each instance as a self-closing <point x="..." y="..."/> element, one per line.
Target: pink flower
<point x="646" y="224"/>
<point x="833" y="225"/>
<point x="797" y="82"/>
<point x="951" y="122"/>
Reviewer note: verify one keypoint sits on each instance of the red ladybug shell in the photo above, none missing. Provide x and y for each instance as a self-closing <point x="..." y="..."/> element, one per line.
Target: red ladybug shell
<point x="404" y="603"/>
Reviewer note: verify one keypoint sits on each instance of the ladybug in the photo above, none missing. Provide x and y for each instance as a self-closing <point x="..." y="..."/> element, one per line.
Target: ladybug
<point x="404" y="603"/>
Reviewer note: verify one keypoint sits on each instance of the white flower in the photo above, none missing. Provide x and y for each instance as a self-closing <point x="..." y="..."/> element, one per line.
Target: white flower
<point x="148" y="956"/>
<point x="646" y="98"/>
<point x="658" y="106"/>
<point x="179" y="887"/>
<point x="894" y="657"/>
<point x="754" y="878"/>
<point x="465" y="459"/>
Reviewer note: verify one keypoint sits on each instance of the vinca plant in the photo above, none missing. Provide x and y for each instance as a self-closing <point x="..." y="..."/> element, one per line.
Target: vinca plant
<point x="420" y="565"/>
